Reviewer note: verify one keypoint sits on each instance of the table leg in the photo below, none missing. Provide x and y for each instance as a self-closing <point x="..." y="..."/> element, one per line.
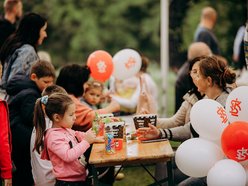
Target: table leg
<point x="95" y="177"/>
<point x="170" y="173"/>
<point x="156" y="181"/>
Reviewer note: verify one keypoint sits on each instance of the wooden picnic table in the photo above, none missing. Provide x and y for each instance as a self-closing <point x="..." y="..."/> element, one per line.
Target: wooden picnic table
<point x="133" y="152"/>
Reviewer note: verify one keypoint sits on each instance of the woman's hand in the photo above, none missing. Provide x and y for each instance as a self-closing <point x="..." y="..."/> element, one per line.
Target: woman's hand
<point x="147" y="133"/>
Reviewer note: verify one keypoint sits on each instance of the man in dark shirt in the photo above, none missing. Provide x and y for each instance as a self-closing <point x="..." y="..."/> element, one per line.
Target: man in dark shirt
<point x="12" y="12"/>
<point x="204" y="32"/>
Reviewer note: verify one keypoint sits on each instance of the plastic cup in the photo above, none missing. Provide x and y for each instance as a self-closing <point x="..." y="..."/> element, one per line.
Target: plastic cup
<point x="109" y="143"/>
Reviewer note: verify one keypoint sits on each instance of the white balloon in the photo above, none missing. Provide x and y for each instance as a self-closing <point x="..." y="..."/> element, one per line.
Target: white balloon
<point x="208" y="118"/>
<point x="237" y="104"/>
<point x="246" y="172"/>
<point x="127" y="63"/>
<point x="226" y="173"/>
<point x="196" y="156"/>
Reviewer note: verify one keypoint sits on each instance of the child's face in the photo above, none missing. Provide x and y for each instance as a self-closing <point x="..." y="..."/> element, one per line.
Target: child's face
<point x="93" y="96"/>
<point x="69" y="117"/>
<point x="42" y="82"/>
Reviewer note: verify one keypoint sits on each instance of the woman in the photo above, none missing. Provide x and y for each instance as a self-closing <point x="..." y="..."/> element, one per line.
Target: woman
<point x="211" y="77"/>
<point x="18" y="52"/>
<point x="181" y="117"/>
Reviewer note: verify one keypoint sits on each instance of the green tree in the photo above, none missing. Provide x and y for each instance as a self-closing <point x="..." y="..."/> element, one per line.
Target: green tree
<point x="77" y="28"/>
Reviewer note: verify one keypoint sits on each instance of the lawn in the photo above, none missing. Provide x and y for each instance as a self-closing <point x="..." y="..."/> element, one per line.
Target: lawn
<point x="137" y="175"/>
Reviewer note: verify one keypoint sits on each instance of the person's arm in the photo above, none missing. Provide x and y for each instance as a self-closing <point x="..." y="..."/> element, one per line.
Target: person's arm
<point x="128" y="103"/>
<point x="59" y="146"/>
<point x="177" y="119"/>
<point x="85" y="115"/>
<point x="22" y="64"/>
<point x="180" y="133"/>
<point x="5" y="149"/>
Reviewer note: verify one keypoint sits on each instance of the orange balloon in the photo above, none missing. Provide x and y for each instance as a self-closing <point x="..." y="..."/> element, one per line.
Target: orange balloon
<point x="101" y="65"/>
<point x="234" y="141"/>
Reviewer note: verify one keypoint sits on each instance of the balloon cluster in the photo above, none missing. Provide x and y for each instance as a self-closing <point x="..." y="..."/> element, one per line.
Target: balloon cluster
<point x="221" y="151"/>
<point x="124" y="64"/>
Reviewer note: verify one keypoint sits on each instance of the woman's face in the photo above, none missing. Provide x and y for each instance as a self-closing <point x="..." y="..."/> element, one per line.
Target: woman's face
<point x="199" y="80"/>
<point x="43" y="34"/>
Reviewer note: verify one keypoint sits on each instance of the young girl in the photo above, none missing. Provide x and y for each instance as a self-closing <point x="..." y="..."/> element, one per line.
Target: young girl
<point x="93" y="92"/>
<point x="63" y="146"/>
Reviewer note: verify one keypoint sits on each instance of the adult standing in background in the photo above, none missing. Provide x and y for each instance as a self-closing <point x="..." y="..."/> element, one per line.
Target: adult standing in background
<point x="18" y="52"/>
<point x="183" y="84"/>
<point x="204" y="32"/>
<point x="12" y="12"/>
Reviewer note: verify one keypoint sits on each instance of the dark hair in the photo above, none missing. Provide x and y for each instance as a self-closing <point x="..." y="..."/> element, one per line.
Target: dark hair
<point x="28" y="32"/>
<point x="220" y="73"/>
<point x="43" y="69"/>
<point x="144" y="63"/>
<point x="194" y="89"/>
<point x="57" y="103"/>
<point x="53" y="89"/>
<point x="72" y="78"/>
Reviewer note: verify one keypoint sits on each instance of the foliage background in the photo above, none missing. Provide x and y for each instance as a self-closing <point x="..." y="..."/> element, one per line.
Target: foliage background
<point x="76" y="28"/>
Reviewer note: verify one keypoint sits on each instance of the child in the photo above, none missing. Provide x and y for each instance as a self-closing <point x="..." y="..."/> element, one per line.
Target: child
<point x="5" y="146"/>
<point x="93" y="92"/>
<point x="42" y="169"/>
<point x="62" y="145"/>
<point x="23" y="93"/>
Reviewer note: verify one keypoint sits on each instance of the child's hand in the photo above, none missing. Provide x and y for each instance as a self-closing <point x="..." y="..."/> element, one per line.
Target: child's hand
<point x="79" y="136"/>
<point x="90" y="136"/>
<point x="99" y="139"/>
<point x="115" y="106"/>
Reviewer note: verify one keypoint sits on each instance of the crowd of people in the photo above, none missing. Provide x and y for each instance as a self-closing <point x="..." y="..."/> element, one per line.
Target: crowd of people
<point x="46" y="120"/>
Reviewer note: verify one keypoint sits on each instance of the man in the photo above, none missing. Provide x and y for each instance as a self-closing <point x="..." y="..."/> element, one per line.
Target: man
<point x="196" y="49"/>
<point x="13" y="11"/>
<point x="204" y="32"/>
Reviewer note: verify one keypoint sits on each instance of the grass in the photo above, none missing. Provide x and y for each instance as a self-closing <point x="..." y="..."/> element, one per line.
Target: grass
<point x="137" y="175"/>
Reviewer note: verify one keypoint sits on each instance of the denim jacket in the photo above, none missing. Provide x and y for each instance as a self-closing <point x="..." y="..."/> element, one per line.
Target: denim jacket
<point x="19" y="62"/>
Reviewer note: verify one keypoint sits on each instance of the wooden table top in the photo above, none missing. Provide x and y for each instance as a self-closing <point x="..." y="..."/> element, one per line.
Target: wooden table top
<point x="133" y="152"/>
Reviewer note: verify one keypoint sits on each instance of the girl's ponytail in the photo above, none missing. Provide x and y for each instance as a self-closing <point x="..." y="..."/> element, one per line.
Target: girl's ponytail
<point x="39" y="124"/>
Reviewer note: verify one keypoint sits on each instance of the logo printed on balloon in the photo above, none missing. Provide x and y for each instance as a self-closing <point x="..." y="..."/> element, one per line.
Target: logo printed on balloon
<point x="127" y="62"/>
<point x="236" y="104"/>
<point x="235" y="107"/>
<point x="101" y="66"/>
<point x="234" y="141"/>
<point x="242" y="154"/>
<point x="130" y="63"/>
<point x="222" y="113"/>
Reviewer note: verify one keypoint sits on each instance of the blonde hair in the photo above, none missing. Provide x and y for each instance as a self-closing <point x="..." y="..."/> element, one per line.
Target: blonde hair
<point x="93" y="85"/>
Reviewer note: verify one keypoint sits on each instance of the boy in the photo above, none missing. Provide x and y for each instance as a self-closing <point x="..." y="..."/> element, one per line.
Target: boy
<point x="23" y="93"/>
